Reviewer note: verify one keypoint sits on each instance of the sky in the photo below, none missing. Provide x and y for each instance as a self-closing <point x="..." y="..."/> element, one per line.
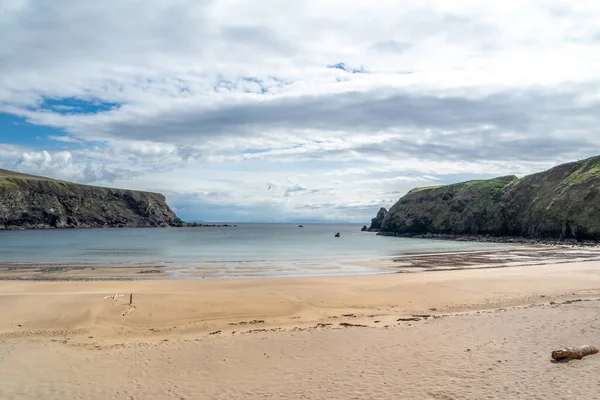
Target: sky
<point x="300" y="110"/>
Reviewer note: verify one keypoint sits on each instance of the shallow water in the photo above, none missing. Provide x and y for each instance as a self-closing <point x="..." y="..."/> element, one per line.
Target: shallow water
<point x="254" y="248"/>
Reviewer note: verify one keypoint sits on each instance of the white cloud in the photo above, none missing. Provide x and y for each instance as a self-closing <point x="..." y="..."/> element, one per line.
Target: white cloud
<point x="212" y="100"/>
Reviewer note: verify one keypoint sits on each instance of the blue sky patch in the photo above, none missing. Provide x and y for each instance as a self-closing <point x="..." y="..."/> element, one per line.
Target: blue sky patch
<point x="72" y="105"/>
<point x="17" y="131"/>
<point x="226" y="85"/>
<point x="345" y="67"/>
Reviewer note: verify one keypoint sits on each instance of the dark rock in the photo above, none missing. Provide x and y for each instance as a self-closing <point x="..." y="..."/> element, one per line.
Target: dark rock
<point x="378" y="220"/>
<point x="364" y="228"/>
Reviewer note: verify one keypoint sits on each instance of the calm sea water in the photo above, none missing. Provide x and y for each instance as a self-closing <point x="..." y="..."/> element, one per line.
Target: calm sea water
<point x="296" y="251"/>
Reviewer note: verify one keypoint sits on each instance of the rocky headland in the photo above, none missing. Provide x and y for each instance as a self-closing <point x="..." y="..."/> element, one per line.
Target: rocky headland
<point x="35" y="202"/>
<point x="560" y="204"/>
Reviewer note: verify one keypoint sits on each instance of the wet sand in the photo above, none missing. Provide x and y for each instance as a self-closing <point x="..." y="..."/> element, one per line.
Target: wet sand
<point x="406" y="263"/>
<point x="482" y="333"/>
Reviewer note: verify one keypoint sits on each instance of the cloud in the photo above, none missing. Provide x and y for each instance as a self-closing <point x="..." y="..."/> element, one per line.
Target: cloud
<point x="340" y="106"/>
<point x="342" y="66"/>
<point x="61" y="165"/>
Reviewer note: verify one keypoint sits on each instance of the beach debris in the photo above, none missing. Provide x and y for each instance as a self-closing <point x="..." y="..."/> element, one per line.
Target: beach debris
<point x="114" y="296"/>
<point x="130" y="308"/>
<point x="349" y="325"/>
<point x="408" y="319"/>
<point x="574" y="353"/>
<point x="321" y="325"/>
<point x="215" y="333"/>
<point x="421" y="315"/>
<point x="262" y="330"/>
<point x="253" y="322"/>
<point x="348" y="315"/>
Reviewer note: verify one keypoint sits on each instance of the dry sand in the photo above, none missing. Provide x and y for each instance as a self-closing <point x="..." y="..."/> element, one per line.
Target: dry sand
<point x="490" y="336"/>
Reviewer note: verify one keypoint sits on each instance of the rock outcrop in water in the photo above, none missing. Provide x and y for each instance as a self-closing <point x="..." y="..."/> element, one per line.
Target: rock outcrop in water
<point x="561" y="203"/>
<point x="34" y="202"/>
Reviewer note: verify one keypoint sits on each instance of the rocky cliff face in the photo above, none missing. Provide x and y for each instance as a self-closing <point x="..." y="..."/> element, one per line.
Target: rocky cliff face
<point x="378" y="220"/>
<point x="561" y="203"/>
<point x="33" y="202"/>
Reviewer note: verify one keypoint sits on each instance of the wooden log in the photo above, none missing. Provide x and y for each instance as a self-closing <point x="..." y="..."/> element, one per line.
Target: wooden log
<point x="574" y="353"/>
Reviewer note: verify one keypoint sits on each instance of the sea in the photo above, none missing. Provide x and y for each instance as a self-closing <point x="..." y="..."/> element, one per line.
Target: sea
<point x="244" y="251"/>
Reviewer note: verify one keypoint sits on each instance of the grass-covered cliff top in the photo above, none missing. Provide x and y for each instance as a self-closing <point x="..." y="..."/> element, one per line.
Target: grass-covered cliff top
<point x="10" y="179"/>
<point x="6" y="174"/>
<point x="583" y="171"/>
<point x="495" y="186"/>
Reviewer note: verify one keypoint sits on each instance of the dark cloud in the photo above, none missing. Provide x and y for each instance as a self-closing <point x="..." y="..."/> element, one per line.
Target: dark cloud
<point x="531" y="113"/>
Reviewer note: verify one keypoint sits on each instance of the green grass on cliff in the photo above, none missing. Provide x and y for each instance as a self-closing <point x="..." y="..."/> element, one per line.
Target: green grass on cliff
<point x="494" y="187"/>
<point x="420" y="189"/>
<point x="4" y="174"/>
<point x="11" y="179"/>
<point x="583" y="172"/>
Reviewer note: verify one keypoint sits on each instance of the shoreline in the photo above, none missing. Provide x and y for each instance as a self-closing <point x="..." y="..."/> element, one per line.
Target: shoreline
<point x="406" y="263"/>
<point x="490" y="239"/>
<point x="43" y="227"/>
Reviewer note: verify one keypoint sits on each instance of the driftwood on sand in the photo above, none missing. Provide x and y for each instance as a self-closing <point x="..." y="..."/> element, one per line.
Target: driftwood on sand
<point x="574" y="353"/>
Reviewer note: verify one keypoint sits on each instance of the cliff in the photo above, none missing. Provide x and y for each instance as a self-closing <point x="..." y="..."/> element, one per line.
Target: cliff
<point x="561" y="203"/>
<point x="34" y="202"/>
<point x="378" y="220"/>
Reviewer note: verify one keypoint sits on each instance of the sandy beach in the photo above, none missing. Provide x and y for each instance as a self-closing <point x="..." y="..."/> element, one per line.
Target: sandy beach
<point x="472" y="333"/>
